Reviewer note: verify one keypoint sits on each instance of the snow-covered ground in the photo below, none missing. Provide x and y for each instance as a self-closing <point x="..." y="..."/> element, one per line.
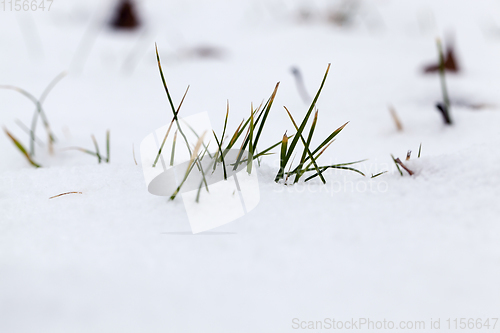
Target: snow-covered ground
<point x="118" y="259"/>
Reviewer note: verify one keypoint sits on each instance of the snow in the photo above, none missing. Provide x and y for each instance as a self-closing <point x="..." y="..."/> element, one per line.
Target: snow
<point x="116" y="258"/>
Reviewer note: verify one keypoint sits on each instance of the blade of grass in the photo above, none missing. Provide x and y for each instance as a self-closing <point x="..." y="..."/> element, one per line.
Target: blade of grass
<point x="398" y="161"/>
<point x="397" y="165"/>
<point x="266" y="113"/>
<point x="27" y="130"/>
<point x="334" y="167"/>
<point x="194" y="156"/>
<point x="83" y="150"/>
<point x="21" y="148"/>
<point x="169" y="127"/>
<point x="60" y="195"/>
<point x="306" y="148"/>
<point x="303" y="124"/>
<point x="96" y="148"/>
<point x="419" y="150"/>
<point x="170" y="100"/>
<point x="222" y="156"/>
<point x="284" y="144"/>
<point x="133" y="154"/>
<point x="378" y="174"/>
<point x="328" y="139"/>
<point x="173" y="149"/>
<point x="44" y="95"/>
<point x="307" y="151"/>
<point x="107" y="146"/>
<point x="250" y="144"/>
<point x="40" y="111"/>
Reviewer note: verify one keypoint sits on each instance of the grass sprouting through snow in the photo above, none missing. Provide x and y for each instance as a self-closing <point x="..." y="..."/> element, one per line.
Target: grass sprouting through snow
<point x="38" y="111"/>
<point x="21" y="148"/>
<point x="397" y="165"/>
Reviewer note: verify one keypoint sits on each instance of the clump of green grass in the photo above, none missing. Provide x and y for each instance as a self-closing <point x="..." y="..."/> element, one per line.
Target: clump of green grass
<point x="308" y="161"/>
<point x="249" y="132"/>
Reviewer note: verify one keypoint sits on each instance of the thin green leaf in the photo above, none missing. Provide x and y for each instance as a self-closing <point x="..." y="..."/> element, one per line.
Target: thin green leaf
<point x="96" y="148"/>
<point x="378" y="174"/>
<point x="107" y="146"/>
<point x="397" y="165"/>
<point x="172" y="155"/>
<point x="304" y="122"/>
<point x="21" y="148"/>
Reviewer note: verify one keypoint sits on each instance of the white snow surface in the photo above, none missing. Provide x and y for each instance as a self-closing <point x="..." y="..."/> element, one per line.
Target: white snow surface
<point x="118" y="259"/>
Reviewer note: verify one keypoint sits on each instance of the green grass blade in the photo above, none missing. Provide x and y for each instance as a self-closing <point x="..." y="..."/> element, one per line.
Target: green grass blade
<point x="284" y="144"/>
<point x="334" y="167"/>
<point x="306" y="150"/>
<point x="250" y="145"/>
<point x="194" y="157"/>
<point x="419" y="150"/>
<point x="41" y="113"/>
<point x="21" y="148"/>
<point x="170" y="126"/>
<point x="172" y="155"/>
<point x="378" y="174"/>
<point x="266" y="113"/>
<point x="397" y="165"/>
<point x="96" y="148"/>
<point x="222" y="156"/>
<point x="329" y="139"/>
<point x="306" y="118"/>
<point x="107" y="146"/>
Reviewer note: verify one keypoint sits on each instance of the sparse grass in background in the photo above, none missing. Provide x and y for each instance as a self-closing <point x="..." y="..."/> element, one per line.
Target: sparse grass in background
<point x="395" y="118"/>
<point x="443" y="107"/>
<point x="21" y="148"/>
<point x="399" y="164"/>
<point x="97" y="153"/>
<point x="39" y="111"/>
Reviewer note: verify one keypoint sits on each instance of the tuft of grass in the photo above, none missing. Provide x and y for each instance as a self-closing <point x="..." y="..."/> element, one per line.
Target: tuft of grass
<point x="97" y="153"/>
<point x="21" y="148"/>
<point x="308" y="155"/>
<point x="38" y="111"/>
<point x="300" y="129"/>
